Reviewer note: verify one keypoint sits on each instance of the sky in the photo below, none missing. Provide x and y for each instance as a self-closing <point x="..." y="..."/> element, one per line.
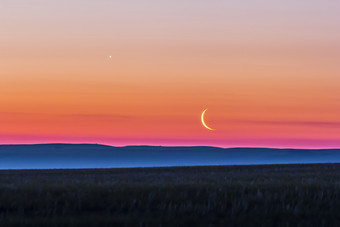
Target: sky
<point x="141" y="72"/>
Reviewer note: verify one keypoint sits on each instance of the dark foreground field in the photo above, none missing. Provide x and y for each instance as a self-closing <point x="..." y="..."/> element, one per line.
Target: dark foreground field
<point x="272" y="195"/>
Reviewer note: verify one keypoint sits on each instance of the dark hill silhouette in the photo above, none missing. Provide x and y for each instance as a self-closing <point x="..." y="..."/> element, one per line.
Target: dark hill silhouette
<point x="46" y="156"/>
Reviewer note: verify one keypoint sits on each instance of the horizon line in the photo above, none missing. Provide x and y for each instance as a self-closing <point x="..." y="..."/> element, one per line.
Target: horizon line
<point x="185" y="146"/>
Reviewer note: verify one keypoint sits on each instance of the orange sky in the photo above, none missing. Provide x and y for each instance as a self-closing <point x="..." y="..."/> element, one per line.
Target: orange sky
<point x="267" y="72"/>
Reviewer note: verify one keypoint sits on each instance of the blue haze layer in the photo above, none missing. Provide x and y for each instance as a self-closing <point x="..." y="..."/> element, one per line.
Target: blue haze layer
<point x="55" y="156"/>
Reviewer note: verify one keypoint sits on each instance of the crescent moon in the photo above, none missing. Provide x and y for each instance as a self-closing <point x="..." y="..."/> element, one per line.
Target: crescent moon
<point x="204" y="124"/>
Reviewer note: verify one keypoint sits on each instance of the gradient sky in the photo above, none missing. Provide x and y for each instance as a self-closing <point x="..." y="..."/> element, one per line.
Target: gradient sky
<point x="268" y="72"/>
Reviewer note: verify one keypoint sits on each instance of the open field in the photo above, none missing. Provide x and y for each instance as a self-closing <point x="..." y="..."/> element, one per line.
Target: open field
<point x="267" y="195"/>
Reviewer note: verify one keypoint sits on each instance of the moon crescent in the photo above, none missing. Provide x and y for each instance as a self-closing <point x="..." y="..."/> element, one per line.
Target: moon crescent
<point x="204" y="124"/>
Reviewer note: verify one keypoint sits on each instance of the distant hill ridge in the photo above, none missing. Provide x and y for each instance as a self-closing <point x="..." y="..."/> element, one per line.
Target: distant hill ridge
<point x="151" y="146"/>
<point x="61" y="155"/>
